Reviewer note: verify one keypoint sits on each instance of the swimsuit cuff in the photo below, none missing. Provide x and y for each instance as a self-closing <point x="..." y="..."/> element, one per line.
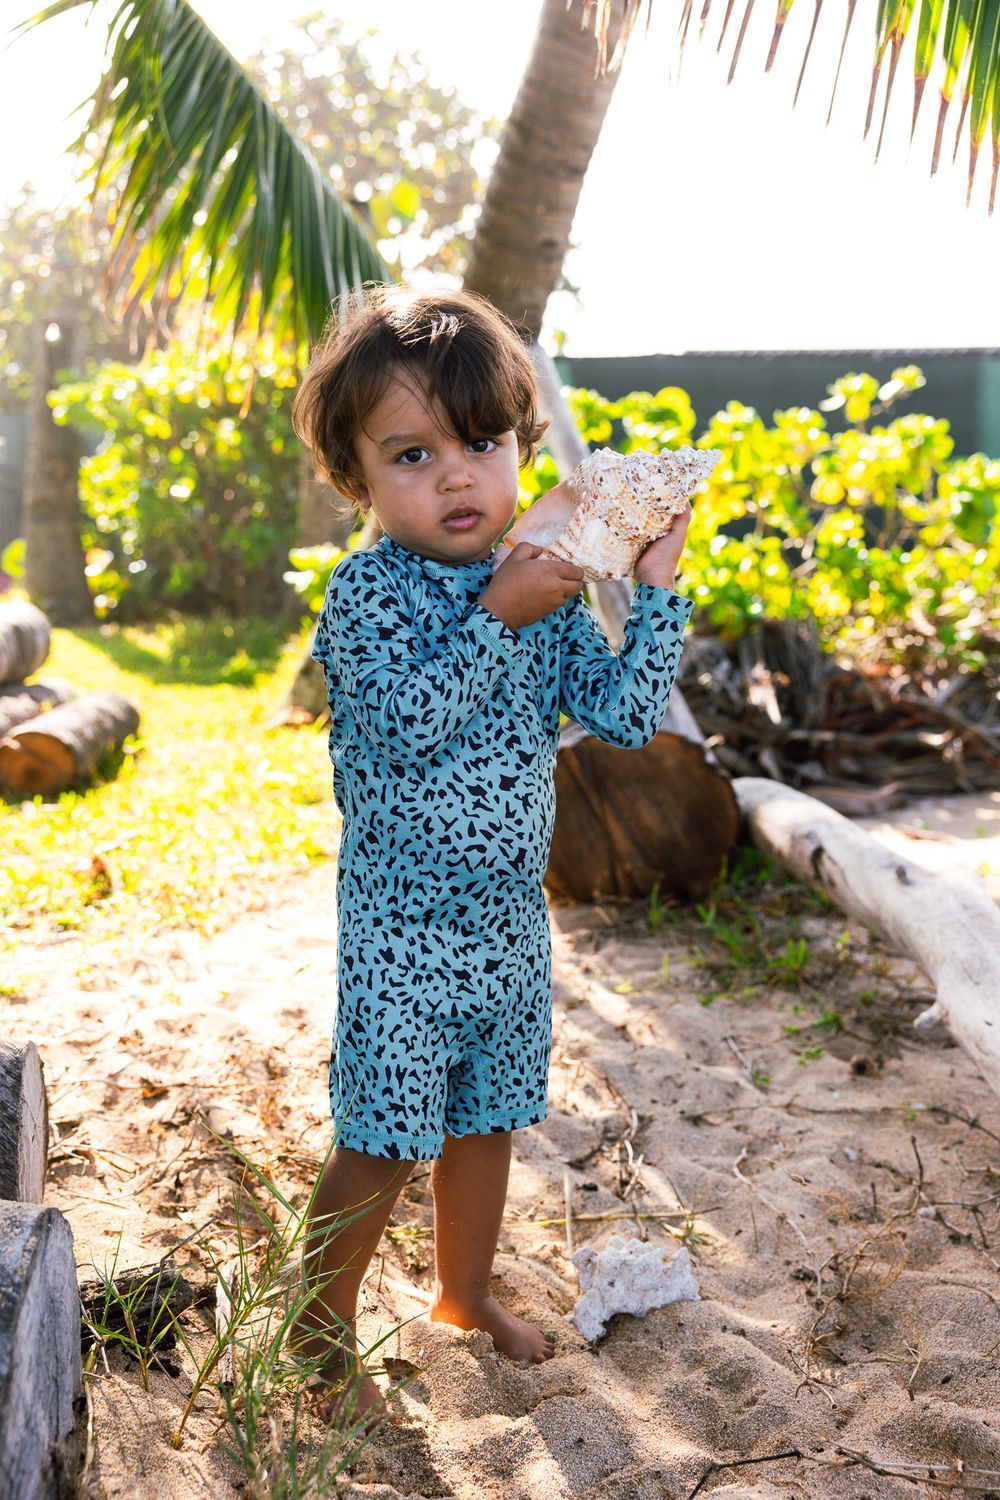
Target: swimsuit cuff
<point x="492" y="628"/>
<point x="647" y="596"/>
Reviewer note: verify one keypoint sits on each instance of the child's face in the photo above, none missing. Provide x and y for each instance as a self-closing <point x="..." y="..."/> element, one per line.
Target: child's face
<point x="414" y="470"/>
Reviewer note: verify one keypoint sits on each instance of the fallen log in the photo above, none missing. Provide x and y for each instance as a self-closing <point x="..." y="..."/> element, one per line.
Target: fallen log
<point x="40" y="1366"/>
<point x="947" y="924"/>
<point x="25" y="634"/>
<point x="61" y="748"/>
<point x="24" y="1124"/>
<point x="20" y="701"/>
<point x="629" y="819"/>
<point x="142" y="1303"/>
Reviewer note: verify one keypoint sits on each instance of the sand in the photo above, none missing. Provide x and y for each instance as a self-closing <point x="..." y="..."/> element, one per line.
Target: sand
<point x="799" y="1175"/>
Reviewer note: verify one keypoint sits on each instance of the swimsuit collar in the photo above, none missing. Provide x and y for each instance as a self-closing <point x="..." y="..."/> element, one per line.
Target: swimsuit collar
<point x="479" y="570"/>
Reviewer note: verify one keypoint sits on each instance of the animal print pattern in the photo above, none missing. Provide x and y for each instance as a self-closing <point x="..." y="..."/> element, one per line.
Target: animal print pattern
<point x="443" y="738"/>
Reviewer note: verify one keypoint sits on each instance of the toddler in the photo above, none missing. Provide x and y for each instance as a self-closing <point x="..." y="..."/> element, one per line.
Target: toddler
<point x="446" y="681"/>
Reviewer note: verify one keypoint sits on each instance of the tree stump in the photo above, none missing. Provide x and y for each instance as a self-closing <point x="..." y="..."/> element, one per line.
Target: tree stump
<point x="24" y="1124"/>
<point x="20" y="701"/>
<point x="40" y="1369"/>
<point x="62" y="747"/>
<point x="25" y="634"/>
<point x="629" y="819"/>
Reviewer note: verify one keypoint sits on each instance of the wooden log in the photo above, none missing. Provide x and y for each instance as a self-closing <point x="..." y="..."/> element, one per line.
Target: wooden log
<point x="627" y="819"/>
<point x="40" y="1367"/>
<point x="20" y="701"/>
<point x="24" y="1124"/>
<point x="61" y="748"/>
<point x="947" y="924"/>
<point x="152" y="1295"/>
<point x="25" y="634"/>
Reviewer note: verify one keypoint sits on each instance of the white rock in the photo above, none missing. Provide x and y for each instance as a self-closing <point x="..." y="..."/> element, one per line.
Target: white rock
<point x="628" y="1276"/>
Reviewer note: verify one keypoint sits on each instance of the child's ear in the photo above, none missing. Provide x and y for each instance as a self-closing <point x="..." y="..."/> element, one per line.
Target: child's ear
<point x="356" y="489"/>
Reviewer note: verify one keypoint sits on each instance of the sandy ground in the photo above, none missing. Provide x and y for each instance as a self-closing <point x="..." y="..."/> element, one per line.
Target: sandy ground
<point x="849" y="1298"/>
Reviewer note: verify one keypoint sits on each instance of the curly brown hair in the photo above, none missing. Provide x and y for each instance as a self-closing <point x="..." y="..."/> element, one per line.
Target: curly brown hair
<point x="467" y="355"/>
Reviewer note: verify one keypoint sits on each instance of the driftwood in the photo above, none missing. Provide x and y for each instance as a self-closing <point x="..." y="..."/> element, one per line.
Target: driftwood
<point x="20" y="701"/>
<point x="40" y="1367"/>
<point x="24" y="639"/>
<point x="152" y="1296"/>
<point x="775" y="703"/>
<point x="24" y="1123"/>
<point x="627" y="819"/>
<point x="62" y="747"/>
<point x="947" y="924"/>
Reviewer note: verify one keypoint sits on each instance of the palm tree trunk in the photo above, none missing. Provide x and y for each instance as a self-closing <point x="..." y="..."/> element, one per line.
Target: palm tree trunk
<point x="523" y="231"/>
<point x="54" y="564"/>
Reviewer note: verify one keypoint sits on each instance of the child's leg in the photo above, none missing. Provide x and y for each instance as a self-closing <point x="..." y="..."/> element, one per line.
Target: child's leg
<point x="335" y="1262"/>
<point x="469" y="1180"/>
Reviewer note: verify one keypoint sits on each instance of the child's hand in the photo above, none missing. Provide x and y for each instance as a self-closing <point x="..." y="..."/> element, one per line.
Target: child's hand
<point x="528" y="586"/>
<point x="657" y="564"/>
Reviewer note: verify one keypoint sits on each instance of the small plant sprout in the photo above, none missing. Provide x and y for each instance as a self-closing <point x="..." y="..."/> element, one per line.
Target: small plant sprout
<point x="794" y="959"/>
<point x="687" y="1233"/>
<point x="809" y="1054"/>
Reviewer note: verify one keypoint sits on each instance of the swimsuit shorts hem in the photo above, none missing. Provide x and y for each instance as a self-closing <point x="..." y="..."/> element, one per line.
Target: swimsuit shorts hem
<point x="426" y="1147"/>
<point x="379" y="1143"/>
<point x="510" y="1120"/>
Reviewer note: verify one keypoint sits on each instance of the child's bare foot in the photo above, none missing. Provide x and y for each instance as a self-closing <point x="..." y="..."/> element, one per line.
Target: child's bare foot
<point x="511" y="1335"/>
<point x="344" y="1394"/>
<point x="356" y="1403"/>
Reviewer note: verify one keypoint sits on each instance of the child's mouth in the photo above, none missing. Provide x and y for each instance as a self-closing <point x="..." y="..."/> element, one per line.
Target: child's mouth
<point x="463" y="522"/>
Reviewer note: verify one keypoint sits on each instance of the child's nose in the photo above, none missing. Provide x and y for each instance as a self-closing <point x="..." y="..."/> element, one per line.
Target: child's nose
<point x="457" y="471"/>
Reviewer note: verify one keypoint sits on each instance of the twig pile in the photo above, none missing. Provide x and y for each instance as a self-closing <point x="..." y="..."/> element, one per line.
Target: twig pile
<point x="775" y="704"/>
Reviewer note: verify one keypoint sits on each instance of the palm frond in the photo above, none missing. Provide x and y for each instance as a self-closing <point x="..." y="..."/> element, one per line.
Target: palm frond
<point x="208" y="185"/>
<point x="805" y="58"/>
<point x="964" y="35"/>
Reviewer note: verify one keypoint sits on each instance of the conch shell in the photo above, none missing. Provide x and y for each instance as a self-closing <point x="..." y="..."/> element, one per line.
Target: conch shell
<point x="611" y="507"/>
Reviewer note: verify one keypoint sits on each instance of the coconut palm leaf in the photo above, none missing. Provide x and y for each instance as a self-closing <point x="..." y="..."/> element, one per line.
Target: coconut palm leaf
<point x="209" y="187"/>
<point x="963" y="34"/>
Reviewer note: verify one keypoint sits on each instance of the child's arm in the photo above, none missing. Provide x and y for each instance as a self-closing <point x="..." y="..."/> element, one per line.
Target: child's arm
<point x="408" y="707"/>
<point x="622" y="697"/>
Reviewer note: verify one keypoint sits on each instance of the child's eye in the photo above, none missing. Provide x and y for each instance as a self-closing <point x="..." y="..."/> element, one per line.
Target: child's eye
<point x="484" y="445"/>
<point x="411" y="457"/>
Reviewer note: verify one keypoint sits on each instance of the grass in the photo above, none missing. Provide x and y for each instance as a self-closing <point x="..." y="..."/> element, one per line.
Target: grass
<point x="271" y="1432"/>
<point x="177" y="825"/>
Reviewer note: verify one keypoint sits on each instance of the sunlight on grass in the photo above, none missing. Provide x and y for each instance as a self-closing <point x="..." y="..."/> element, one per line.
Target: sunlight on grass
<point x="199" y="807"/>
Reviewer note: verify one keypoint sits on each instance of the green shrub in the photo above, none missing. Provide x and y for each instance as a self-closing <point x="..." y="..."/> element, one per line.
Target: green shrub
<point x="875" y="532"/>
<point x="186" y="501"/>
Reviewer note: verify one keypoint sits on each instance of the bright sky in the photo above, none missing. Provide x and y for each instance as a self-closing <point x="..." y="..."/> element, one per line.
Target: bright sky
<point x="713" y="217"/>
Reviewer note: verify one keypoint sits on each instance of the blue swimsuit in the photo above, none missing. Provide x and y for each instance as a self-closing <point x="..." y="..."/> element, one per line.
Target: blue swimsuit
<point x="443" y="740"/>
